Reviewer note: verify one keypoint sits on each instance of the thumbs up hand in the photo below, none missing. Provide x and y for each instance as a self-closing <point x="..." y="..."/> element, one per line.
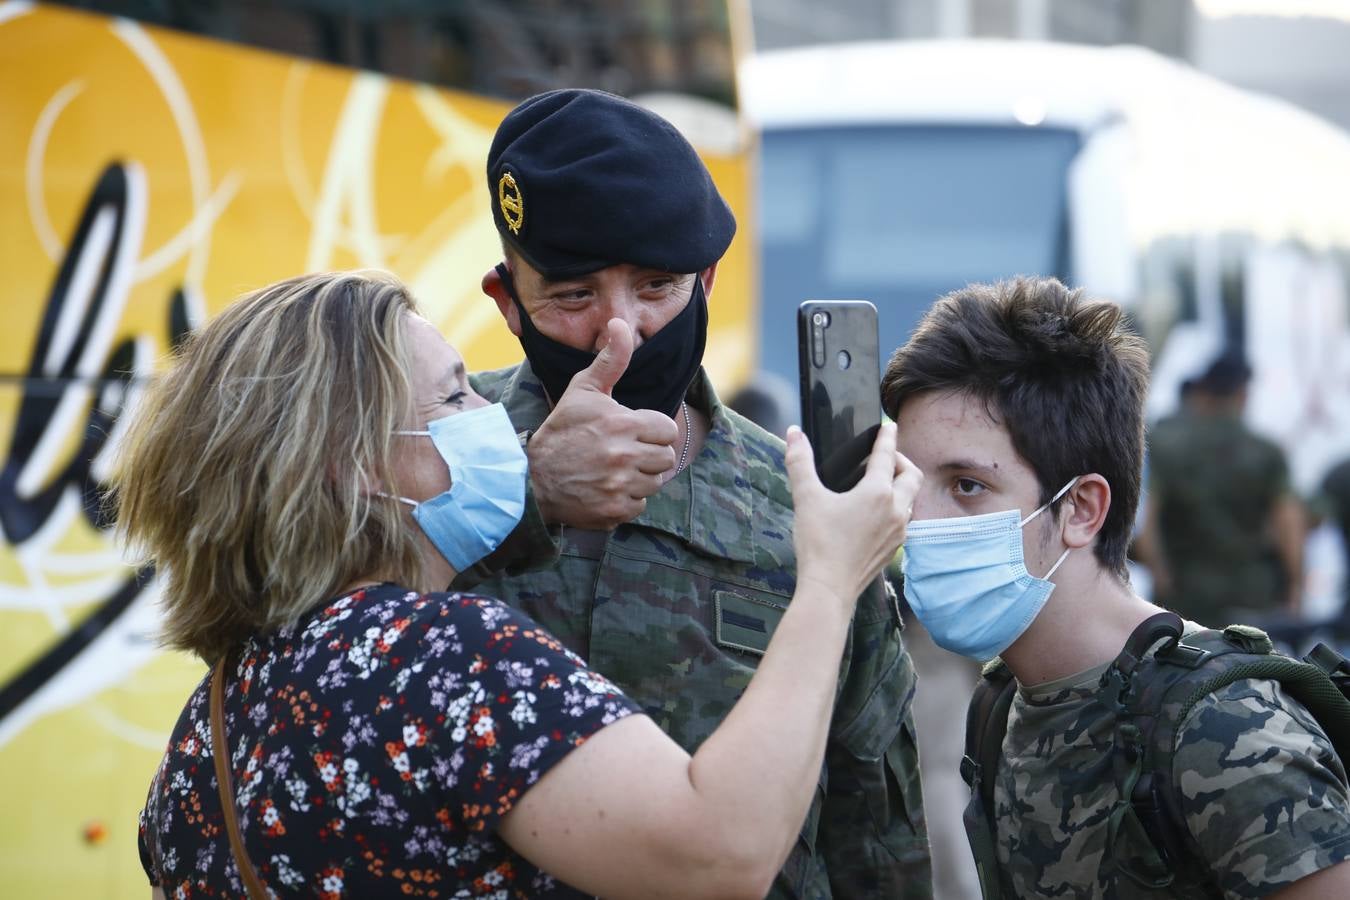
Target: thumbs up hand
<point x="594" y="462"/>
<point x="610" y="363"/>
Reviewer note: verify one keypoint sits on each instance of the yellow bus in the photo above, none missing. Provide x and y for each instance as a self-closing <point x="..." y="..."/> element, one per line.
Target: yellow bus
<point x="157" y="159"/>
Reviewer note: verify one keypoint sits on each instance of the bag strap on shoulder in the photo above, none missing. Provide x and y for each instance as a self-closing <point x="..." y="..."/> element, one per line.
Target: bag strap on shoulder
<point x="986" y="726"/>
<point x="220" y="751"/>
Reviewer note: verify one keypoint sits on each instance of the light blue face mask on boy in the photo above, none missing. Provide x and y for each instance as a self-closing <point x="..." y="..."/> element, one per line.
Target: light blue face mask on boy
<point x="967" y="583"/>
<point x="487" y="485"/>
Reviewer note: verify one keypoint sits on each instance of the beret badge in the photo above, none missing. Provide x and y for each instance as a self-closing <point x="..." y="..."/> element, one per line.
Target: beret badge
<point x="511" y="203"/>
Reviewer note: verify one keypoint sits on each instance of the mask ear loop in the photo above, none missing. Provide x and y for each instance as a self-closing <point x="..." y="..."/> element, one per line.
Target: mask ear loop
<point x="1043" y="507"/>
<point x="413" y="503"/>
<point x="1065" y="555"/>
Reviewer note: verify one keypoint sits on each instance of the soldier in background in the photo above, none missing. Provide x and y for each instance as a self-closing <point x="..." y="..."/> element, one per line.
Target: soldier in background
<point x="1022" y="403"/>
<point x="1223" y="532"/>
<point x="1335" y="496"/>
<point x="677" y="559"/>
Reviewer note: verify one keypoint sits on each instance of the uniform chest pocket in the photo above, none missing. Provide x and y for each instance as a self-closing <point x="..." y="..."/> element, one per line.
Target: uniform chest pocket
<point x="744" y="621"/>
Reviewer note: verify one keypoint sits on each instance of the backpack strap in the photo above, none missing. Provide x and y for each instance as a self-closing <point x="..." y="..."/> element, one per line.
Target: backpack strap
<point x="1149" y="840"/>
<point x="1307" y="681"/>
<point x="1336" y="667"/>
<point x="1133" y="688"/>
<point x="1330" y="712"/>
<point x="986" y="726"/>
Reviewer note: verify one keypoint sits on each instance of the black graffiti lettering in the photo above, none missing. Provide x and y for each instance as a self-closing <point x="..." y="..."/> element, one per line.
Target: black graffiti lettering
<point x="45" y="385"/>
<point x="71" y="644"/>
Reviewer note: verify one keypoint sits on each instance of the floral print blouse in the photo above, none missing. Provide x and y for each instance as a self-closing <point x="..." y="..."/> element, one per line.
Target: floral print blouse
<point x="374" y="747"/>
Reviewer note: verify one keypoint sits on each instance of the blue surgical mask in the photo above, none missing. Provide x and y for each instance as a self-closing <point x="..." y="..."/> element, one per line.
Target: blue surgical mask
<point x="967" y="583"/>
<point x="487" y="485"/>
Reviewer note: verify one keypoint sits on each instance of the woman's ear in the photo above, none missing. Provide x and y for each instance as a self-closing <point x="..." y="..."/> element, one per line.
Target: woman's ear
<point x="367" y="483"/>
<point x="1083" y="509"/>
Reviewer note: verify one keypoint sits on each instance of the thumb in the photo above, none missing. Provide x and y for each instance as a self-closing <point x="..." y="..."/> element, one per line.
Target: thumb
<point x="611" y="362"/>
<point x="800" y="464"/>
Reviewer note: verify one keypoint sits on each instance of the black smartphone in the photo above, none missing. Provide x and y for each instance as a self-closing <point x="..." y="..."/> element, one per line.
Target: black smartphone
<point x="839" y="360"/>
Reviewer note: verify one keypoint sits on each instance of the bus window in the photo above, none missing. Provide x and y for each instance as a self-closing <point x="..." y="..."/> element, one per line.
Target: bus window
<point x="900" y="215"/>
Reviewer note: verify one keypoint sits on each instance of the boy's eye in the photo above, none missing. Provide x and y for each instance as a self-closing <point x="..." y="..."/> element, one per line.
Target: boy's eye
<point x="967" y="487"/>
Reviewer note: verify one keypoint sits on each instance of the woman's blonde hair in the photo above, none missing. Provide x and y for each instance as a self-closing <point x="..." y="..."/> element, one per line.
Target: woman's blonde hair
<point x="248" y="474"/>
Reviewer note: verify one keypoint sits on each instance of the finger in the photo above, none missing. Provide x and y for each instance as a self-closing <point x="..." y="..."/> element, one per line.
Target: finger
<point x="655" y="459"/>
<point x="655" y="428"/>
<point x="612" y="361"/>
<point x="881" y="462"/>
<point x="800" y="464"/>
<point x="906" y="471"/>
<point x="643" y="488"/>
<point x="908" y="480"/>
<point x="618" y="512"/>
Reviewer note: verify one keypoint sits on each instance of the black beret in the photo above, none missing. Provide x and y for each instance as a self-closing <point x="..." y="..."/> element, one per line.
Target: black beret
<point x="582" y="179"/>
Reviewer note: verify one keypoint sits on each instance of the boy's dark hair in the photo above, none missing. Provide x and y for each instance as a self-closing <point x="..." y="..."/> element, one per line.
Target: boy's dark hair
<point x="1061" y="373"/>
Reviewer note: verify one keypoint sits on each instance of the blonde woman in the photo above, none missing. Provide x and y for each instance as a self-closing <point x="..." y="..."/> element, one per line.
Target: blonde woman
<point x="312" y="465"/>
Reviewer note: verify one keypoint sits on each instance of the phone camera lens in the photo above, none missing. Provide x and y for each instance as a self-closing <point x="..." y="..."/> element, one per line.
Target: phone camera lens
<point x="818" y="319"/>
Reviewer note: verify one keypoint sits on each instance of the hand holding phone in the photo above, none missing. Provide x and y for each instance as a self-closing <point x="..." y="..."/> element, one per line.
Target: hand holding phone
<point x="839" y="363"/>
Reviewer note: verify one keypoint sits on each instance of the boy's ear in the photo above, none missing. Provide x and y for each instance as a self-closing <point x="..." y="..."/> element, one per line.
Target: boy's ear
<point x="1083" y="509"/>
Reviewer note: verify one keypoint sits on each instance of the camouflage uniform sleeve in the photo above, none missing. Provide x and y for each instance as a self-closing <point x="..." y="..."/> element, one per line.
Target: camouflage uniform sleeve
<point x="1275" y="472"/>
<point x="1263" y="791"/>
<point x="872" y="834"/>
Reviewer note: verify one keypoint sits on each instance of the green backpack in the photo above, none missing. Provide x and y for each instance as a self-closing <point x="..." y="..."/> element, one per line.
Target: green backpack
<point x="1147" y="840"/>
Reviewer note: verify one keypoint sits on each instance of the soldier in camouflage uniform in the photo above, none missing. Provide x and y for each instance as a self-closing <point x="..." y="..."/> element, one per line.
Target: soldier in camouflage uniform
<point x="1022" y="404"/>
<point x="673" y="589"/>
<point x="1223" y="533"/>
<point x="1335" y="498"/>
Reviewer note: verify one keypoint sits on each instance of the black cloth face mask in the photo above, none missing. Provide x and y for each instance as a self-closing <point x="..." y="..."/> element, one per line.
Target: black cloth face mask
<point x="658" y="375"/>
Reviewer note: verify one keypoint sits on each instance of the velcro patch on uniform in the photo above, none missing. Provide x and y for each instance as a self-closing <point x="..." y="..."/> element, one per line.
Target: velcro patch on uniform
<point x="745" y="623"/>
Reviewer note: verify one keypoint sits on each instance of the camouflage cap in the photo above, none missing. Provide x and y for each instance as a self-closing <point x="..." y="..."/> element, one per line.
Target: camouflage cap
<point x="581" y="179"/>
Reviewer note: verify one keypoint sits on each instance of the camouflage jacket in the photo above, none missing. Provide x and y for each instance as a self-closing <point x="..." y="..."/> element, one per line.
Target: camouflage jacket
<point x="677" y="608"/>
<point x="1216" y="483"/>
<point x="1263" y="794"/>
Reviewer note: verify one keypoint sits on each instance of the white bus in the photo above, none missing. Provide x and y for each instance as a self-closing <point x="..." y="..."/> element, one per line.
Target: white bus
<point x="897" y="171"/>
